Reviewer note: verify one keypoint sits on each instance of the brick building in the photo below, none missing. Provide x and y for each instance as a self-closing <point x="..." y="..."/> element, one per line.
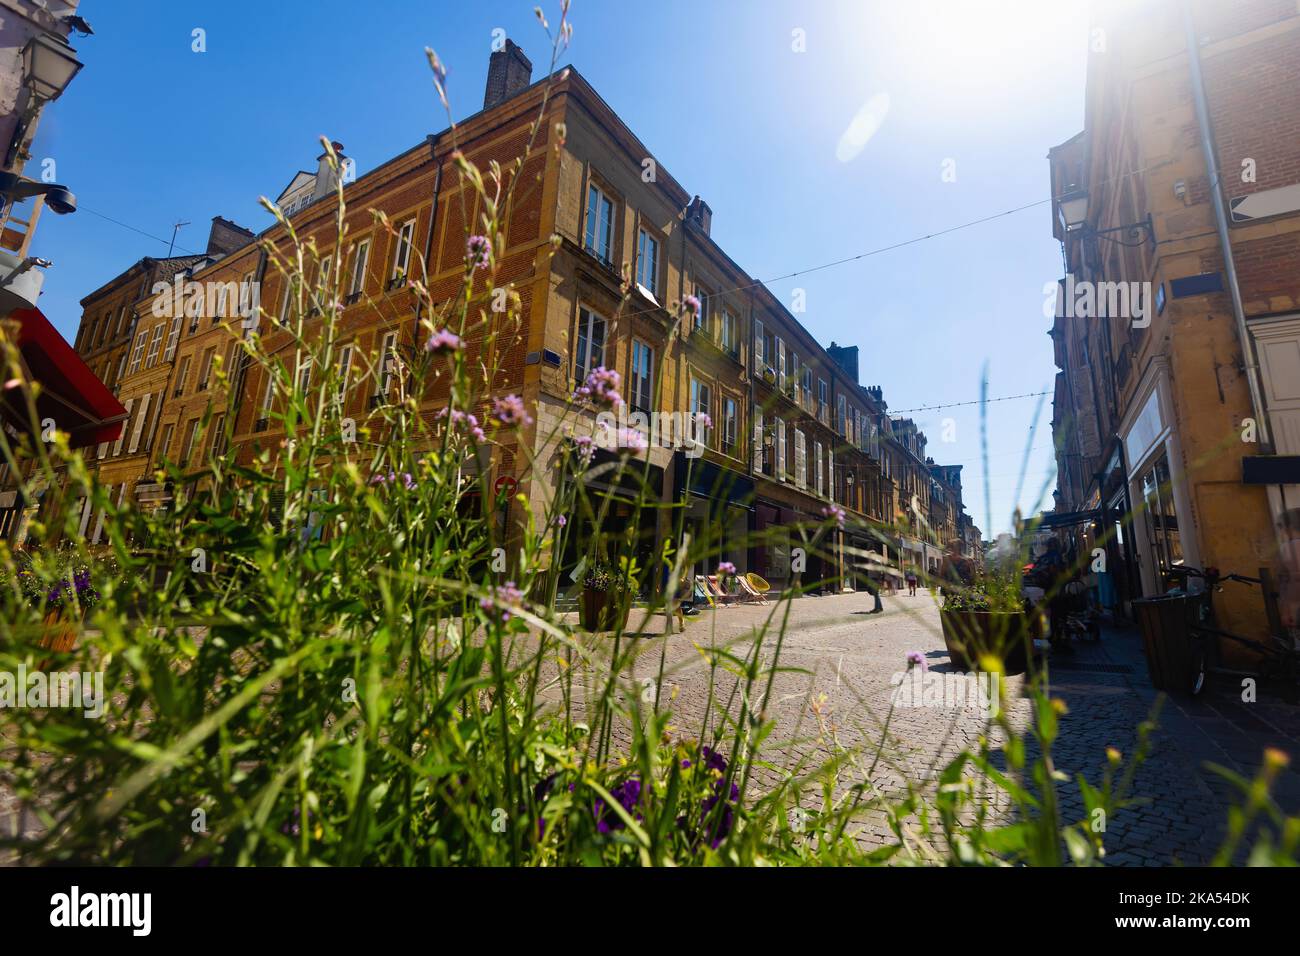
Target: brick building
<point x="792" y="430"/>
<point x="1178" y="209"/>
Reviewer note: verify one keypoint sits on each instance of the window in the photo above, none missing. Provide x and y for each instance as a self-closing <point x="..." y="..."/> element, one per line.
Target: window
<point x="268" y="393"/>
<point x="841" y="415"/>
<point x="807" y="388"/>
<point x="173" y="336"/>
<point x="591" y="345"/>
<point x="138" y="352"/>
<point x="647" y="262"/>
<point x="325" y="265"/>
<point x="357" y="281"/>
<point x="600" y="225"/>
<point x="218" y="436"/>
<point x="286" y="298"/>
<point x="304" y="373"/>
<point x="191" y="431"/>
<point x="126" y="427"/>
<point x="800" y="460"/>
<point x="730" y="341"/>
<point x="166" y="445"/>
<point x="345" y="366"/>
<point x="730" y="425"/>
<point x="792" y="373"/>
<point x="121" y="321"/>
<point x="1161" y="519"/>
<point x="207" y="368"/>
<point x="701" y="404"/>
<point x="642" y="377"/>
<point x="154" y="344"/>
<point x="387" y="364"/>
<point x="823" y="399"/>
<point x="182" y="377"/>
<point x="780" y="364"/>
<point x="402" y="255"/>
<point x="702" y="316"/>
<point x="121" y="367"/>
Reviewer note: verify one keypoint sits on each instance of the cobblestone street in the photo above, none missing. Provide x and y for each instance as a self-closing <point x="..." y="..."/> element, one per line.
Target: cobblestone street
<point x="846" y="658"/>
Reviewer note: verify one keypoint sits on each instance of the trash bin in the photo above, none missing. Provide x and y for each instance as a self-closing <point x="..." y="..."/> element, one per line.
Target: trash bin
<point x="1166" y="641"/>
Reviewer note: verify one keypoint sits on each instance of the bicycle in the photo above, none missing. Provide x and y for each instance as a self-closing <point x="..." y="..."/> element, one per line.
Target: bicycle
<point x="1279" y="656"/>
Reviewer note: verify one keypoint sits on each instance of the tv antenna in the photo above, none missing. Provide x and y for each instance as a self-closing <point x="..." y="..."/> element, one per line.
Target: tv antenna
<point x="175" y="229"/>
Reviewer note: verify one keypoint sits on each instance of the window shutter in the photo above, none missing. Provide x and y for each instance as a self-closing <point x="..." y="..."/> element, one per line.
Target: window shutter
<point x="800" y="460"/>
<point x="817" y="467"/>
<point x="140" y="418"/>
<point x="830" y="472"/>
<point x="758" y="441"/>
<point x="758" y="345"/>
<point x="117" y="445"/>
<point x="780" y="363"/>
<point x="780" y="449"/>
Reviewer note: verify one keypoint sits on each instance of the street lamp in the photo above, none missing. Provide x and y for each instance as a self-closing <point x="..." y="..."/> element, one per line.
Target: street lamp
<point x="1072" y="212"/>
<point x="49" y="65"/>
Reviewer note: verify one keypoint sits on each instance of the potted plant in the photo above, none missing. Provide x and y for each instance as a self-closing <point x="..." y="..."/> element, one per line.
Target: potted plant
<point x="63" y="601"/>
<point x="604" y="604"/>
<point x="989" y="617"/>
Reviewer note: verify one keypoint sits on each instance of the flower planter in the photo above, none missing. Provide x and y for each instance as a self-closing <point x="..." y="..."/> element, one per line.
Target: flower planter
<point x="600" y="611"/>
<point x="968" y="634"/>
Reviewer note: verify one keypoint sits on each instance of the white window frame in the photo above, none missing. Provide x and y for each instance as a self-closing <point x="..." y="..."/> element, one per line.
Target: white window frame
<point x="155" y="344"/>
<point x="641" y="375"/>
<point x="402" y="254"/>
<point x="387" y="364"/>
<point x="137" y="352"/>
<point x="117" y="445"/>
<point x="583" y="350"/>
<point x="357" y="273"/>
<point x="591" y="228"/>
<point x="173" y="337"/>
<point x="650" y="281"/>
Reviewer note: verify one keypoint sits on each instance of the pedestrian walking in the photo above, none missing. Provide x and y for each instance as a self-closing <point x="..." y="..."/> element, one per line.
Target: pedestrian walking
<point x="911" y="582"/>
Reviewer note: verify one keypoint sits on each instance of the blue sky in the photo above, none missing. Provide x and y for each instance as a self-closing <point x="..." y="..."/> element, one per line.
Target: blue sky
<point x="151" y="132"/>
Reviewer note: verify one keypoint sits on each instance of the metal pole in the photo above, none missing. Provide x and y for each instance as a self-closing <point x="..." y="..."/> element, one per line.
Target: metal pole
<point x="1221" y="224"/>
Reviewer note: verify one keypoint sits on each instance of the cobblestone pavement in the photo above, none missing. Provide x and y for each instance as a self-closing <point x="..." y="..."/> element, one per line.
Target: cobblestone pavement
<point x="848" y="661"/>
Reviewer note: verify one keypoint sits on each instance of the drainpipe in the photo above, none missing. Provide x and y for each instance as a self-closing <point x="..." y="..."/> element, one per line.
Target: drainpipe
<point x="1221" y="224"/>
<point x="428" y="242"/>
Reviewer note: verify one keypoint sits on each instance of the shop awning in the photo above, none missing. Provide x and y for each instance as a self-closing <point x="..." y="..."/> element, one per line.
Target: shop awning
<point x="78" y="402"/>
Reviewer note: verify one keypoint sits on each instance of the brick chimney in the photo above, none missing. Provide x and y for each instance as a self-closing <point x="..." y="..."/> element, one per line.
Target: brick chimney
<point x="225" y="237"/>
<point x="846" y="357"/>
<point x="509" y="71"/>
<point x="700" y="215"/>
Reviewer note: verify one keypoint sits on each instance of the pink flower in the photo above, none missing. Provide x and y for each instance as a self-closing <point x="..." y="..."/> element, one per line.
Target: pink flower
<point x="502" y="600"/>
<point x="480" y="251"/>
<point x="586" y="446"/>
<point x="836" y="513"/>
<point x="443" y="343"/>
<point x="631" y="439"/>
<point x="510" y="411"/>
<point x="601" y="387"/>
<point x="692" y="303"/>
<point x="916" y="659"/>
<point x="726" y="568"/>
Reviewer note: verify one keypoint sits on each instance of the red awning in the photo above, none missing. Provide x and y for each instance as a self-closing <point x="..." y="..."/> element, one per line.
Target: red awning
<point x="78" y="402"/>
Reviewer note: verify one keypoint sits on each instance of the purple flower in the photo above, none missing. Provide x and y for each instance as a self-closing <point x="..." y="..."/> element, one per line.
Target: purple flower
<point x="501" y="600"/>
<point x="726" y="568"/>
<point x="628" y="795"/>
<point x="703" y="420"/>
<point x="443" y="343"/>
<point x="692" y="303"/>
<point x="631" y="439"/>
<point x="836" y="513"/>
<point x="916" y="659"/>
<point x="586" y="446"/>
<point x="561" y="521"/>
<point x="601" y="387"/>
<point x="480" y="251"/>
<point x="510" y="411"/>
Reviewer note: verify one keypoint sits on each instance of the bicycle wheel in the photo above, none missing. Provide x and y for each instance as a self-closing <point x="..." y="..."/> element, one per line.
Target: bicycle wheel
<point x="1199" y="669"/>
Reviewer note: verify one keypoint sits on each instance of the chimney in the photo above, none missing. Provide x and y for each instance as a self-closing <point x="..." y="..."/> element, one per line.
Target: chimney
<point x="509" y="71"/>
<point x="846" y="357"/>
<point x="700" y="215"/>
<point x="326" y="178"/>
<point x="225" y="237"/>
